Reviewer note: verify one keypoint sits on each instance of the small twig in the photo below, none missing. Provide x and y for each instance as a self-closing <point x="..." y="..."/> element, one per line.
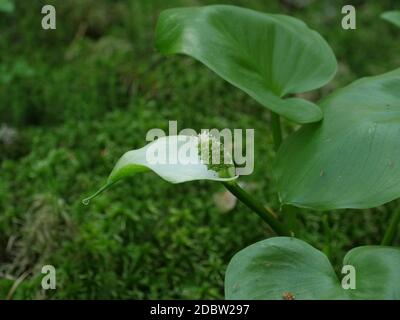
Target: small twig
<point x="15" y="285"/>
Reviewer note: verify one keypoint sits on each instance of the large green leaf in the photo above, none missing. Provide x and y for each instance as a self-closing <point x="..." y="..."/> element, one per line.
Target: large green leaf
<point x="266" y="55"/>
<point x="351" y="158"/>
<point x="392" y="16"/>
<point x="176" y="159"/>
<point x="285" y="268"/>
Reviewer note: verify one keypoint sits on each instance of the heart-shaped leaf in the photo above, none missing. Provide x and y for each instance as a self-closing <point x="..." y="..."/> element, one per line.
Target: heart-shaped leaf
<point x="176" y="159"/>
<point x="288" y="268"/>
<point x="351" y="158"/>
<point x="266" y="55"/>
<point x="392" y="16"/>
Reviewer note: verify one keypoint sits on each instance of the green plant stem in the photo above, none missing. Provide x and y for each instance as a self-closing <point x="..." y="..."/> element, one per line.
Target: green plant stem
<point x="391" y="231"/>
<point x="327" y="248"/>
<point x="290" y="213"/>
<point x="290" y="218"/>
<point x="276" y="130"/>
<point x="257" y="207"/>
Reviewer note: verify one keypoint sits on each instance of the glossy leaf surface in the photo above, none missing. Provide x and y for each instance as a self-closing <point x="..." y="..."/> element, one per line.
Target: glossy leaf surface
<point x="352" y="158"/>
<point x="288" y="268"/>
<point x="266" y="55"/>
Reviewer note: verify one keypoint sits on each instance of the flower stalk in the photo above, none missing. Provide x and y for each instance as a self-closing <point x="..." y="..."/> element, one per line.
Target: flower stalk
<point x="257" y="207"/>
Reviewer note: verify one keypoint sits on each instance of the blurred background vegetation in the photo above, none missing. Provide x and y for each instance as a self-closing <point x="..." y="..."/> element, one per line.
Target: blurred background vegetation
<point x="72" y="100"/>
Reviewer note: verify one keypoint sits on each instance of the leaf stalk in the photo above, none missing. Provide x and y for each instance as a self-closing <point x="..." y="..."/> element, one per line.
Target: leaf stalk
<point x="391" y="231"/>
<point x="276" y="130"/>
<point x="257" y="207"/>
